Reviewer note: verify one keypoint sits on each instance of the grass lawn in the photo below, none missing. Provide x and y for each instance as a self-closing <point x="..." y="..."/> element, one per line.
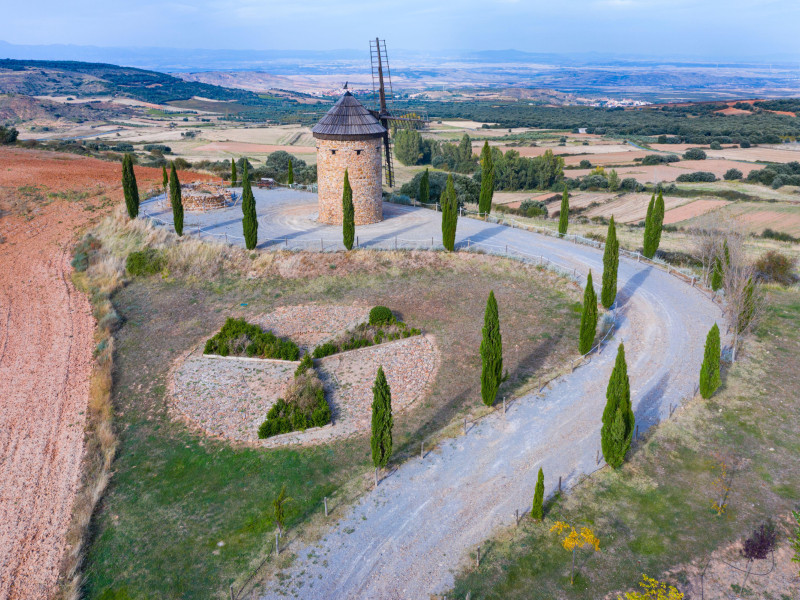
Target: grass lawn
<point x="655" y="515"/>
<point x="185" y="516"/>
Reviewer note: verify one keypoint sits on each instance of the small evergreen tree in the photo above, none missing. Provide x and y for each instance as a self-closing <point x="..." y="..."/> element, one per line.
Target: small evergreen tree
<point x="537" y="512"/>
<point x="658" y="222"/>
<point x="290" y="174"/>
<point x="425" y="188"/>
<point x="618" y="419"/>
<point x="491" y="353"/>
<point x="610" y="266"/>
<point x="164" y="179"/>
<point x="249" y="217"/>
<point x="129" y="188"/>
<point x="563" y="217"/>
<point x="716" y="274"/>
<point x="449" y="204"/>
<point x="709" y="372"/>
<point x="588" y="317"/>
<point x="348" y="214"/>
<point x="487" y="180"/>
<point x="647" y="242"/>
<point x="233" y="173"/>
<point x="381" y="440"/>
<point x="175" y="200"/>
<point x="279" y="509"/>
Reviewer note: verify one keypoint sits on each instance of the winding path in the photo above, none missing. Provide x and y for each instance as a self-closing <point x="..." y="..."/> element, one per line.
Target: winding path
<point x="407" y="538"/>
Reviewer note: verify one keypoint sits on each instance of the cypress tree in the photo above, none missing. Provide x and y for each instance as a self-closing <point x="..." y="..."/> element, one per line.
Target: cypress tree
<point x="709" y="372"/>
<point x="164" y="180"/>
<point x="233" y="173"/>
<point x="348" y="214"/>
<point x="175" y="200"/>
<point x="647" y="242"/>
<point x="563" y="217"/>
<point x="449" y="204"/>
<point x="491" y="353"/>
<point x="610" y="266"/>
<point x="425" y="188"/>
<point x="129" y="188"/>
<point x="716" y="274"/>
<point x="249" y="217"/>
<point x="537" y="512"/>
<point x="381" y="440"/>
<point x="290" y="175"/>
<point x="588" y="317"/>
<point x="658" y="222"/>
<point x="487" y="180"/>
<point x="618" y="419"/>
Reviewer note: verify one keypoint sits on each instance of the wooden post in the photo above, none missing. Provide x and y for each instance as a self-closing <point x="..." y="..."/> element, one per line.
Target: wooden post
<point x="325" y="500"/>
<point x="465" y="425"/>
<point x="356" y="241"/>
<point x="559" y="484"/>
<point x="597" y="457"/>
<point x="232" y="595"/>
<point x="516" y="517"/>
<point x="376" y="476"/>
<point x="277" y="547"/>
<point x="422" y="450"/>
<point x="478" y="558"/>
<point x="504" y="405"/>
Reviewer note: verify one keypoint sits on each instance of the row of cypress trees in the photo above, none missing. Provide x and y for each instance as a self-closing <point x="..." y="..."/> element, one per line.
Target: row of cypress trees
<point x="130" y="191"/>
<point x="653" y="225"/>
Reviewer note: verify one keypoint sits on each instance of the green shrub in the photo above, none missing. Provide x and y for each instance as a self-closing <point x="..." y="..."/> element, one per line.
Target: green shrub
<point x="305" y="364"/>
<point x="325" y="349"/>
<point x="694" y="154"/>
<point x="773" y="266"/>
<point x="732" y="174"/>
<point x="697" y="176"/>
<point x="533" y="208"/>
<point x="145" y="262"/>
<point x="778" y="235"/>
<point x="240" y="338"/>
<point x="84" y="251"/>
<point x="380" y="315"/>
<point x="658" y="159"/>
<point x="715" y="145"/>
<point x="304" y="407"/>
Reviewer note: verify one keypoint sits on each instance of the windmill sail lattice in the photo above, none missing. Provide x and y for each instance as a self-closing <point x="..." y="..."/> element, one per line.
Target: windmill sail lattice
<point x="382" y="89"/>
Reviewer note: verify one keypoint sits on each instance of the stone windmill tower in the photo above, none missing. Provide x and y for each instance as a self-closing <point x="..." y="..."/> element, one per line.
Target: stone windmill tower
<point x="349" y="137"/>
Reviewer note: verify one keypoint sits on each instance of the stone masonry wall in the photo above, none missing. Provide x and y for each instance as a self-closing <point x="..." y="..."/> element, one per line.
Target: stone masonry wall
<point x="364" y="169"/>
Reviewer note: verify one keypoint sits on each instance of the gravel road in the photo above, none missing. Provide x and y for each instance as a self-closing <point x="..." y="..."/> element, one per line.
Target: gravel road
<point x="406" y="538"/>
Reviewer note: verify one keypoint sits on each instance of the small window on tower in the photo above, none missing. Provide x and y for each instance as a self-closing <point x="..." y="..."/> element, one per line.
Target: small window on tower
<point x="358" y="152"/>
<point x="333" y="151"/>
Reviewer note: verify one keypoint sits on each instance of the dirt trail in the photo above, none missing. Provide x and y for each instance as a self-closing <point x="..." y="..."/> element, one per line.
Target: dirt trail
<point x="46" y="341"/>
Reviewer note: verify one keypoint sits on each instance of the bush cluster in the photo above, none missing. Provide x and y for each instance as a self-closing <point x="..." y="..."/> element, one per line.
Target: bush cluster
<point x="631" y="185"/>
<point x="533" y="208"/>
<point x="386" y="328"/>
<point x="732" y="174"/>
<point x="305" y="406"/>
<point x="777" y="175"/>
<point x="240" y="338"/>
<point x="145" y="262"/>
<point x="697" y="176"/>
<point x="771" y="234"/>
<point x="775" y="267"/>
<point x="658" y="159"/>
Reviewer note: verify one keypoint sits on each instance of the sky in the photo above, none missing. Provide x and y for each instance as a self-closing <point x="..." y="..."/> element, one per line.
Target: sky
<point x="731" y="29"/>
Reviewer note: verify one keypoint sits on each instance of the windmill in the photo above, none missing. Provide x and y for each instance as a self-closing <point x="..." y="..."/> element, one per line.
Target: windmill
<point x="379" y="59"/>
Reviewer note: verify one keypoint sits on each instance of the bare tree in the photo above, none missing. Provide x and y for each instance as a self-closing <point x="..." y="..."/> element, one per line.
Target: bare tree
<point x="708" y="245"/>
<point x="744" y="299"/>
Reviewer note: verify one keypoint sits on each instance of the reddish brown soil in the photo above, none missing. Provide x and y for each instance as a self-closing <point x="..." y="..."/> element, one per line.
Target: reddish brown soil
<point x="691" y="210"/>
<point x="46" y="330"/>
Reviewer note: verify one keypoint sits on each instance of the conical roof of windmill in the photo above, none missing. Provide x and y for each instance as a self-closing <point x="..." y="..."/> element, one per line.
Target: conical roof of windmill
<point x="348" y="119"/>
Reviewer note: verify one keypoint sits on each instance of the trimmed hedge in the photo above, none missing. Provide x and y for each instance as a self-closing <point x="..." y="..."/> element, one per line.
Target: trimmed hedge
<point x="697" y="176"/>
<point x="285" y="417"/>
<point x="240" y="338"/>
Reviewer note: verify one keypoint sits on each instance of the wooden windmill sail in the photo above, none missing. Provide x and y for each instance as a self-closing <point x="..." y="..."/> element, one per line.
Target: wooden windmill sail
<point x="382" y="87"/>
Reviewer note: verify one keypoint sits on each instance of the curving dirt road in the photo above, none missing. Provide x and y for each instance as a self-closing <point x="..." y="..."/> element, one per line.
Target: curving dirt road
<point x="405" y="539"/>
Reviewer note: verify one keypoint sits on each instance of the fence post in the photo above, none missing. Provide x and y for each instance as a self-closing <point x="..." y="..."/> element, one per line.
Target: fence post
<point x="325" y="500"/>
<point x="356" y="241"/>
<point x="422" y="449"/>
<point x="321" y="247"/>
<point x="516" y="517"/>
<point x="504" y="405"/>
<point x="465" y="425"/>
<point x="559" y="484"/>
<point x="233" y="597"/>
<point x="478" y="559"/>
<point x="395" y="242"/>
<point x="597" y="458"/>
<point x="286" y="241"/>
<point x="468" y="243"/>
<point x="277" y="547"/>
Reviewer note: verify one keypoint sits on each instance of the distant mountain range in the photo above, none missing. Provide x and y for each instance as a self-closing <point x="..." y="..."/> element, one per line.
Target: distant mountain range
<point x="587" y="74"/>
